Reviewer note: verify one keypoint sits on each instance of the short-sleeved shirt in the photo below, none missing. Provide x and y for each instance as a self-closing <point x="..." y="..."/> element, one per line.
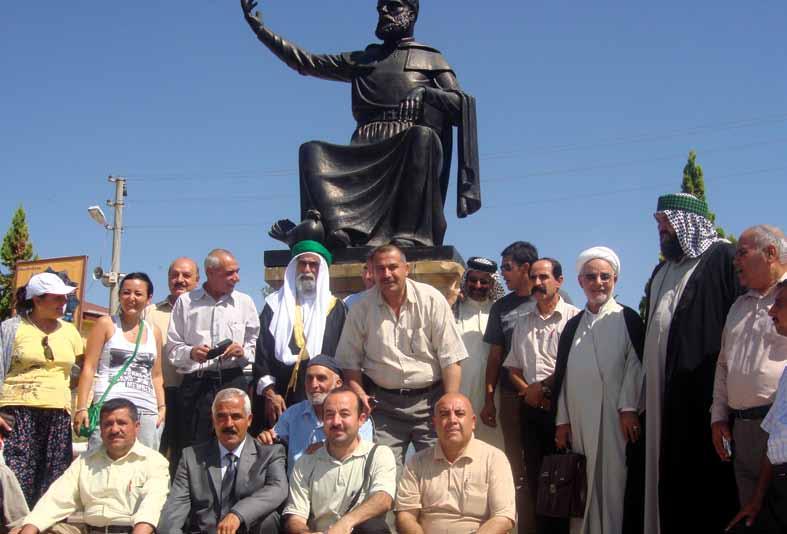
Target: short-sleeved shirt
<point x="503" y="316"/>
<point x="534" y="341"/>
<point x="458" y="497"/>
<point x="299" y="427"/>
<point x="34" y="381"/>
<point x="322" y="487"/>
<point x="159" y="314"/>
<point x="405" y="352"/>
<point x="775" y="424"/>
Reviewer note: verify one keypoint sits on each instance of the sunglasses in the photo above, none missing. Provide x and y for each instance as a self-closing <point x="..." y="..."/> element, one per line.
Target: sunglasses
<point x="508" y="267"/>
<point x="48" y="354"/>
<point x="591" y="277"/>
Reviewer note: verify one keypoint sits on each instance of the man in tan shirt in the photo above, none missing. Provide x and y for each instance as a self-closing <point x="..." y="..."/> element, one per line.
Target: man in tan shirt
<point x="401" y="347"/>
<point x="461" y="485"/>
<point x="182" y="277"/>
<point x="119" y="487"/>
<point x="752" y="357"/>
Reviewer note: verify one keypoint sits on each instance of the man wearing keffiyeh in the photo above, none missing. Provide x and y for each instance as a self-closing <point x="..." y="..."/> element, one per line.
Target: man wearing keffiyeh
<point x="687" y="487"/>
<point x="299" y="321"/>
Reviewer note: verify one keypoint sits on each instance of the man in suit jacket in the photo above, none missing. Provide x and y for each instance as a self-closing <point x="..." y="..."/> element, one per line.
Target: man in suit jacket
<point x="231" y="483"/>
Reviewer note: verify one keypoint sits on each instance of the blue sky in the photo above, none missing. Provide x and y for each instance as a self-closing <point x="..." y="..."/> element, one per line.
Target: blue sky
<point x="586" y="114"/>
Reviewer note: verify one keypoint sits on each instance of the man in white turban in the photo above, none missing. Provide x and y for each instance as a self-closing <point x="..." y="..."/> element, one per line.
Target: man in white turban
<point x="299" y="321"/>
<point x="598" y="383"/>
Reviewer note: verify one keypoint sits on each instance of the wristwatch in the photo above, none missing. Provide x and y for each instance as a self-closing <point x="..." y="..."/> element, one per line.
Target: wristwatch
<point x="546" y="390"/>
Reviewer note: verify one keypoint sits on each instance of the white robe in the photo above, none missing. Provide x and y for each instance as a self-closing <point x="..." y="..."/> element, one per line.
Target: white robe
<point x="604" y="376"/>
<point x="666" y="288"/>
<point x="472" y="318"/>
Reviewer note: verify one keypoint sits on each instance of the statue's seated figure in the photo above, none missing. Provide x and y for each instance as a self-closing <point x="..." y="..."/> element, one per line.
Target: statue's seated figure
<point x="390" y="183"/>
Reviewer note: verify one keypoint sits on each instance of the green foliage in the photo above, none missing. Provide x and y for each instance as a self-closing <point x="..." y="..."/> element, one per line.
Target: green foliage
<point x="16" y="247"/>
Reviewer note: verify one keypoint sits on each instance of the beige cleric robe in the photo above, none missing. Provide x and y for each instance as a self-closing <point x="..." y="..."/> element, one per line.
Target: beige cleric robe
<point x="604" y="376"/>
<point x="471" y="319"/>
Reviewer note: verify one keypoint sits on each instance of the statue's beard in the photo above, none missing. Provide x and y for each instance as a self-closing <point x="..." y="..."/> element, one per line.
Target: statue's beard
<point x="395" y="28"/>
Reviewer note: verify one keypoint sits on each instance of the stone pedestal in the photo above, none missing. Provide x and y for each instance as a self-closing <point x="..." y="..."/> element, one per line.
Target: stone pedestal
<point x="441" y="267"/>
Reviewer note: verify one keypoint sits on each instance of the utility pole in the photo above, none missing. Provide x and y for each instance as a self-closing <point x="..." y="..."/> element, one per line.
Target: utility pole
<point x="117" y="231"/>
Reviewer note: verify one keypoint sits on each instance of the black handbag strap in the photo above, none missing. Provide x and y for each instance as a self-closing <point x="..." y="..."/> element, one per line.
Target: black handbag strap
<point x="367" y="470"/>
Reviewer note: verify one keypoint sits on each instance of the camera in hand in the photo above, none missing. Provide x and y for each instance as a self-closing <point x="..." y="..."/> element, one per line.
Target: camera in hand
<point x="219" y="349"/>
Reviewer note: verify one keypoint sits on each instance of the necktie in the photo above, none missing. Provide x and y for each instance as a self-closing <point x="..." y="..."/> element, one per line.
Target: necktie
<point x="228" y="484"/>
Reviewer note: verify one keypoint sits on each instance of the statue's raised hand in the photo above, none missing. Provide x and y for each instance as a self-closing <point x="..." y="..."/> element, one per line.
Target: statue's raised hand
<point x="253" y="19"/>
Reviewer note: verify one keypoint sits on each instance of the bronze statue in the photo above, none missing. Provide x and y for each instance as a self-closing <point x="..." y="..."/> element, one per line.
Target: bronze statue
<point x="390" y="183"/>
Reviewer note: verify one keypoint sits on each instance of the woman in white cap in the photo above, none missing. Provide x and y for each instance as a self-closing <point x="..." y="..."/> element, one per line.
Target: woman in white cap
<point x="38" y="349"/>
<point x="112" y="342"/>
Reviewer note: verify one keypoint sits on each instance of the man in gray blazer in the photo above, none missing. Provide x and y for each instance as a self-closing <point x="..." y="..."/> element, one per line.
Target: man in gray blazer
<point x="229" y="484"/>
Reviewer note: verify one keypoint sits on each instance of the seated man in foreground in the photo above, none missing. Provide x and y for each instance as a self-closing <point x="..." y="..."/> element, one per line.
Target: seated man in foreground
<point x="230" y="483"/>
<point x="300" y="426"/>
<point x="118" y="487"/>
<point x="346" y="486"/>
<point x="461" y="485"/>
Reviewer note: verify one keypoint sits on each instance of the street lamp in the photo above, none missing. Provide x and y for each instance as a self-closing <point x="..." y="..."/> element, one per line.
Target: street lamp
<point x="111" y="279"/>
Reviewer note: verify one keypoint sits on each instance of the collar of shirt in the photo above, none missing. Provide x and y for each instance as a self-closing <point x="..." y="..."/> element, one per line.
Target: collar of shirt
<point x="164" y="306"/>
<point x="137" y="450"/>
<point x="200" y="294"/>
<point x="468" y="452"/>
<point x="361" y="450"/>
<point x="560" y="309"/>
<point x="409" y="293"/>
<point x="237" y="452"/>
<point x="757" y="295"/>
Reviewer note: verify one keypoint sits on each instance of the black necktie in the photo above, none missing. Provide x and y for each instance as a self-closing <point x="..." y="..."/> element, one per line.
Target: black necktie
<point x="228" y="484"/>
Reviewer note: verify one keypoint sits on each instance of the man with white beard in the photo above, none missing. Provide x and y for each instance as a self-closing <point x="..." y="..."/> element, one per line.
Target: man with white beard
<point x="300" y="425"/>
<point x="299" y="321"/>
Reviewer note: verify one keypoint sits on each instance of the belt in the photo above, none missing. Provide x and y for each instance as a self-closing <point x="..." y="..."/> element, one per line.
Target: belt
<point x="758" y="412"/>
<point x="410" y="392"/>
<point x="109" y="528"/>
<point x="780" y="470"/>
<point x="215" y="376"/>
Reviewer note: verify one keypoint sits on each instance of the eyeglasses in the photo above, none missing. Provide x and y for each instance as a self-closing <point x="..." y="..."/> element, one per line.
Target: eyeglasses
<point x="592" y="277"/>
<point x="48" y="354"/>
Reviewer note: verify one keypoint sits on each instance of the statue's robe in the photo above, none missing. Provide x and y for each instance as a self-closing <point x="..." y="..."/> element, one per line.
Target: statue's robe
<point x="391" y="182"/>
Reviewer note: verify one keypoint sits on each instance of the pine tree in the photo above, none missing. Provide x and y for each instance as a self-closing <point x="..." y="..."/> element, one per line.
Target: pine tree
<point x="16" y="247"/>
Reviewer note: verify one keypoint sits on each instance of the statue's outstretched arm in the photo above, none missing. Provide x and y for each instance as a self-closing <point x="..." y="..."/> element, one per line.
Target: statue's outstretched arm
<point x="326" y="66"/>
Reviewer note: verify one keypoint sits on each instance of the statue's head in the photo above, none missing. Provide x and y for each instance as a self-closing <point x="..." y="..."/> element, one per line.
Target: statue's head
<point x="396" y="19"/>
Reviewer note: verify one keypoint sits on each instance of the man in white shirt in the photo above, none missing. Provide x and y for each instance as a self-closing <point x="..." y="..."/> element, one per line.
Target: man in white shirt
<point x="211" y="338"/>
<point x="531" y="362"/>
<point x="752" y="357"/>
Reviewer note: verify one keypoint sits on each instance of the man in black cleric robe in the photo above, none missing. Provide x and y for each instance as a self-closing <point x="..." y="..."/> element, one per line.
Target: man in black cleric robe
<point x="391" y="182"/>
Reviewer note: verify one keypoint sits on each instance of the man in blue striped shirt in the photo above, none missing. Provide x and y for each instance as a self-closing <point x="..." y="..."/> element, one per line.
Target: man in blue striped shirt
<point x="766" y="512"/>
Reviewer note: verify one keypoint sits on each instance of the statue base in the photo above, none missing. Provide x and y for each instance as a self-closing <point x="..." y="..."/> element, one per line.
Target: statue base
<point x="441" y="267"/>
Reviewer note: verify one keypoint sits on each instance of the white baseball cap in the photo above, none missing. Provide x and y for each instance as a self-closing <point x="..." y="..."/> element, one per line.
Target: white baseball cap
<point x="44" y="283"/>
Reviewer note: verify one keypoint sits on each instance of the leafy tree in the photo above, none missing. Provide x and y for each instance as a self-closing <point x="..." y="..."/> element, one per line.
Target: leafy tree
<point x="16" y="247"/>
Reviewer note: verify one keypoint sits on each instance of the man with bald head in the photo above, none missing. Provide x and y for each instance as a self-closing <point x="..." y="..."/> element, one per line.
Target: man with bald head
<point x="459" y="485"/>
<point x="211" y="338"/>
<point x="182" y="277"/>
<point x="752" y="357"/>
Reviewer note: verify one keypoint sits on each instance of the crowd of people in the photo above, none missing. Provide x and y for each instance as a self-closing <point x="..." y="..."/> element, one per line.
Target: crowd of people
<point x="399" y="410"/>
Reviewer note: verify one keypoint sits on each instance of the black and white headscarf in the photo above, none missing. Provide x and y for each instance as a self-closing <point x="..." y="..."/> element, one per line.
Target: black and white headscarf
<point x="695" y="233"/>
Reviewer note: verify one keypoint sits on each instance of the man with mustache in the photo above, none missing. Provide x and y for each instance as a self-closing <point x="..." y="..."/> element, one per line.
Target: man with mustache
<point x="346" y="486"/>
<point x="301" y="426"/>
<point x="231" y="483"/>
<point x="119" y="487"/>
<point x="299" y="321"/>
<point x="182" y="277"/>
<point x="461" y="485"/>
<point x="687" y="300"/>
<point x="531" y="363"/>
<point x="391" y="183"/>
<point x="480" y="287"/>
<point x="401" y="348"/>
<point x="752" y="357"/>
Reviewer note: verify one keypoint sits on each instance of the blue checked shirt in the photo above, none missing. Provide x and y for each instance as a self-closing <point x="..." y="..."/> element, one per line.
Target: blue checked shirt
<point x="775" y="424"/>
<point x="299" y="426"/>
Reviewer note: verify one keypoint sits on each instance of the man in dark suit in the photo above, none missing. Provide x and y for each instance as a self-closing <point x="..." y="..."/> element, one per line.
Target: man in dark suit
<point x="229" y="484"/>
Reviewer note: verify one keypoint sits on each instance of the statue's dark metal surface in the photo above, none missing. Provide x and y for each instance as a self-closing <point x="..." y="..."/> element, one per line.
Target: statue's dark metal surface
<point x="391" y="182"/>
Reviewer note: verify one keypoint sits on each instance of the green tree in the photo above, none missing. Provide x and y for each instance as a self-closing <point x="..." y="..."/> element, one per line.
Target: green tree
<point x="16" y="247"/>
